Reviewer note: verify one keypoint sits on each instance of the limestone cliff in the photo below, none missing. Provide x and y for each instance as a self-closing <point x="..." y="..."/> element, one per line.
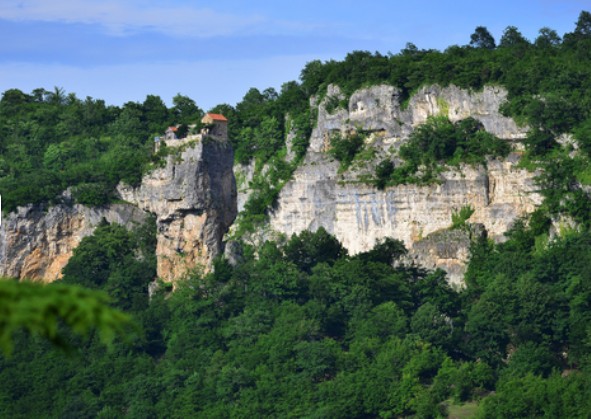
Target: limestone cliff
<point x="359" y="214"/>
<point x="36" y="243"/>
<point x="193" y="198"/>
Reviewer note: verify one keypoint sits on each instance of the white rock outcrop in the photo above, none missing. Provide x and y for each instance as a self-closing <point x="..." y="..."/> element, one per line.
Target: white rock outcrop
<point x="378" y="108"/>
<point x="359" y="214"/>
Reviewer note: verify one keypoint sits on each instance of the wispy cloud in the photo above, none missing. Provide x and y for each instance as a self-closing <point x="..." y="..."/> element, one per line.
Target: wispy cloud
<point x="121" y="18"/>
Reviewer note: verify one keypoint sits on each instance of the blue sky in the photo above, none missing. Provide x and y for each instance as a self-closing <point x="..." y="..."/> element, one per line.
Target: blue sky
<point x="213" y="52"/>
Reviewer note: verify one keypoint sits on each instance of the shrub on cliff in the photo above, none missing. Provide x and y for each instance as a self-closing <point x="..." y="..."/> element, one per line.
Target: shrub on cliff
<point x="440" y="142"/>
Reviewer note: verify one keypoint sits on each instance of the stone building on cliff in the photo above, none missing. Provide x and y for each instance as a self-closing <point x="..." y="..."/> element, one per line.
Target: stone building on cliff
<point x="215" y="125"/>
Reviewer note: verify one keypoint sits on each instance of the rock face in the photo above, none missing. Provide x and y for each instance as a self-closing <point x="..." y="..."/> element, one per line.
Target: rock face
<point x="359" y="214"/>
<point x="446" y="249"/>
<point x="244" y="174"/>
<point x="37" y="244"/>
<point x="194" y="200"/>
<point x="378" y="109"/>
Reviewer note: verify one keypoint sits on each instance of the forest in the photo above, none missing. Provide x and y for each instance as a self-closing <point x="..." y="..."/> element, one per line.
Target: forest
<point x="298" y="327"/>
<point x="305" y="330"/>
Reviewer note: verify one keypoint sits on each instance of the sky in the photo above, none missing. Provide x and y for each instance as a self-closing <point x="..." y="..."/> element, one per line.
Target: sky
<point x="213" y="52"/>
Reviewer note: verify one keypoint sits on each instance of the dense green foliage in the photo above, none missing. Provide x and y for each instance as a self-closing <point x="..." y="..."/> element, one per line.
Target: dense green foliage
<point x="306" y="330"/>
<point x="529" y="304"/>
<point x="44" y="310"/>
<point x="113" y="260"/>
<point x="258" y="124"/>
<point x="302" y="323"/>
<point x="118" y="261"/>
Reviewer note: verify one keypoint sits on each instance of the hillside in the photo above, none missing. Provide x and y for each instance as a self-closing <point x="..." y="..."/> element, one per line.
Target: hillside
<point x="400" y="235"/>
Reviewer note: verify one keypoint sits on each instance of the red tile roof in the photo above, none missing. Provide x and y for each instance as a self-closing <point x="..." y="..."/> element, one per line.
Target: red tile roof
<point x="173" y="129"/>
<point x="217" y="117"/>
